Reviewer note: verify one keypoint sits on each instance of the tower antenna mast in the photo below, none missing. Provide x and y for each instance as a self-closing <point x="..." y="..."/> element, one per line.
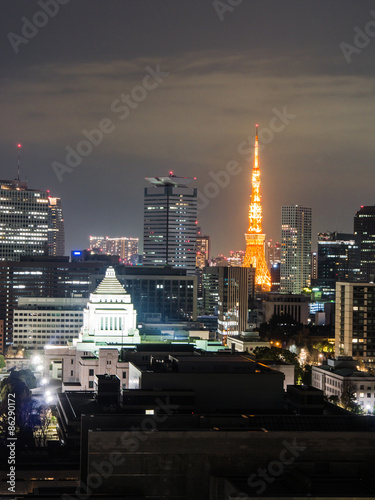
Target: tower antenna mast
<point x="19" y="154"/>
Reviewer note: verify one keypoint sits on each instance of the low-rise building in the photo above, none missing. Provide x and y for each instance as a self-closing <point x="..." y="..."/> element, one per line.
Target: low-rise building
<point x="247" y="342"/>
<point x="221" y="382"/>
<point x="284" y="303"/>
<point x="281" y="366"/>
<point x="38" y="321"/>
<point x="334" y="376"/>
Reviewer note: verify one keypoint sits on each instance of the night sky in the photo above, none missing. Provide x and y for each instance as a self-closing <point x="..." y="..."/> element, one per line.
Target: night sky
<point x="223" y="70"/>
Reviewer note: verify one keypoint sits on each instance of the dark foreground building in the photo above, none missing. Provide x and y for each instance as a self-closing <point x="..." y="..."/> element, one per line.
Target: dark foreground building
<point x="178" y="435"/>
<point x="228" y="457"/>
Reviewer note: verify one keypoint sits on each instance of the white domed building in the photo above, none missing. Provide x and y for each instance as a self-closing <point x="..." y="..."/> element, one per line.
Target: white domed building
<point x="109" y="323"/>
<point x="109" y="317"/>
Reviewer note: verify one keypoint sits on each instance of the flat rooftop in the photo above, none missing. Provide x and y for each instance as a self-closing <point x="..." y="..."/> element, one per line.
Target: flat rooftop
<point x="218" y="364"/>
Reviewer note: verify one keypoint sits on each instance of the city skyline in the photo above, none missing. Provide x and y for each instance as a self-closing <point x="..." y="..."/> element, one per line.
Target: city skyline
<point x="197" y="92"/>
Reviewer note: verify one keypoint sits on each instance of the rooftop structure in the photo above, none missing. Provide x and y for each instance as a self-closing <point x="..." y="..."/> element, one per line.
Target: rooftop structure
<point x="170" y="180"/>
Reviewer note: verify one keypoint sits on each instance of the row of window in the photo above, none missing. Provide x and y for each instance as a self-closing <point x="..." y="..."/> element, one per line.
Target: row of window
<point x="43" y="336"/>
<point x="51" y="332"/>
<point x="68" y="316"/>
<point x="42" y="342"/>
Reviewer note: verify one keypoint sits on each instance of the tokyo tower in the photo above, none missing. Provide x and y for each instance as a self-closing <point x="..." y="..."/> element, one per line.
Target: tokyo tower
<point x="254" y="238"/>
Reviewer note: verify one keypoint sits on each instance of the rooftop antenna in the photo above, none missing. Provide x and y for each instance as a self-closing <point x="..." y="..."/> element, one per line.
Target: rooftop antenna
<point x="19" y="154"/>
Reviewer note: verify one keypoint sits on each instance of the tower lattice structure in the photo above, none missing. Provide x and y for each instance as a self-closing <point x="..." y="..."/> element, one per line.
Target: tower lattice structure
<point x="255" y="256"/>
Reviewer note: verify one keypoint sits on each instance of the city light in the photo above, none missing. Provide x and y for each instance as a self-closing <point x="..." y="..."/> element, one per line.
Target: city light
<point x="36" y="359"/>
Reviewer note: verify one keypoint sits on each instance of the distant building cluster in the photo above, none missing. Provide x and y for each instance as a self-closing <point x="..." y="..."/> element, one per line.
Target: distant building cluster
<point x="125" y="248"/>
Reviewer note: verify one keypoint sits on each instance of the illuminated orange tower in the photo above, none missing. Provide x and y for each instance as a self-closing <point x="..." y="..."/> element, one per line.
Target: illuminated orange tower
<point x="254" y="238"/>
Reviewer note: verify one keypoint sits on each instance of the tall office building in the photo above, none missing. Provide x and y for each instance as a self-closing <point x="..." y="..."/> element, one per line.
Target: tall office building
<point x="273" y="252"/>
<point x="201" y="261"/>
<point x="295" y="268"/>
<point x="203" y="250"/>
<point x="210" y="290"/>
<point x="364" y="228"/>
<point x="23" y="220"/>
<point x="255" y="253"/>
<point x="338" y="260"/>
<point x="126" y="248"/>
<point x="314" y="266"/>
<point x="235" y="286"/>
<point x="355" y="320"/>
<point x="56" y="232"/>
<point x="170" y="218"/>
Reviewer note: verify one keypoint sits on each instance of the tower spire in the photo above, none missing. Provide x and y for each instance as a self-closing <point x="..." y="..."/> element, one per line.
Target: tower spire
<point x="255" y="256"/>
<point x="18" y="163"/>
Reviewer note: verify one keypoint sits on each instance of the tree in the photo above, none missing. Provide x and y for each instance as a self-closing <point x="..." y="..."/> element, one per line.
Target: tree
<point x="2" y="361"/>
<point x="28" y="377"/>
<point x="348" y="399"/>
<point x="277" y="353"/>
<point x="42" y="425"/>
<point x="281" y="327"/>
<point x="18" y="384"/>
<point x="334" y="399"/>
<point x="267" y="353"/>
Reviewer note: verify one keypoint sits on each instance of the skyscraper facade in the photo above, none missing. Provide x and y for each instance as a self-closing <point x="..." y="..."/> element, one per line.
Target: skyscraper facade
<point x="355" y="320"/>
<point x="338" y="260"/>
<point x="201" y="261"/>
<point x="255" y="254"/>
<point x="210" y="290"/>
<point x="170" y="218"/>
<point x="295" y="268"/>
<point x="56" y="232"/>
<point x="235" y="285"/>
<point x="273" y="252"/>
<point x="364" y="228"/>
<point x="23" y="220"/>
<point x="203" y="250"/>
